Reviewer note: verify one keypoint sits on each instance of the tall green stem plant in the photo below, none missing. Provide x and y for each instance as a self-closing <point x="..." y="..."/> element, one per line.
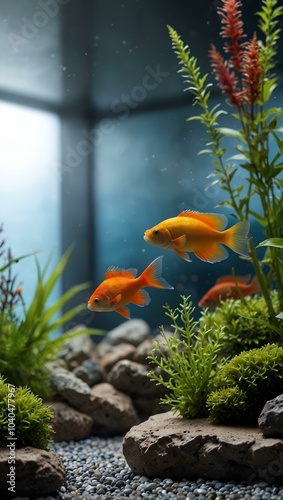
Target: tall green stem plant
<point x="246" y="77"/>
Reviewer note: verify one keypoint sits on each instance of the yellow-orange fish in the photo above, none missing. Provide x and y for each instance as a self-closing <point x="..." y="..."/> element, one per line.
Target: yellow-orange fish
<point x="225" y="288"/>
<point x="200" y="233"/>
<point x="121" y="286"/>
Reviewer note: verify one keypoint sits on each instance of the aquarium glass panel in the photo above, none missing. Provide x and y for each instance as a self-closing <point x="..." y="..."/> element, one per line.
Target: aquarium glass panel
<point x="30" y="188"/>
<point x="30" y="56"/>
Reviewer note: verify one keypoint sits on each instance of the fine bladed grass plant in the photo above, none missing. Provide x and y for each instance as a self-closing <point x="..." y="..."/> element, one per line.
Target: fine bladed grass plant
<point x="30" y="336"/>
<point x="187" y="366"/>
<point x="245" y="72"/>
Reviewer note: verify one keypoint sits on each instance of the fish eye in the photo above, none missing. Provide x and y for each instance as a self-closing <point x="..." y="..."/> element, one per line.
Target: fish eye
<point x="156" y="231"/>
<point x="96" y="300"/>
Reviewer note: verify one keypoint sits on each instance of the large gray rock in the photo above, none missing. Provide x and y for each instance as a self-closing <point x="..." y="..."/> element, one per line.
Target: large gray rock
<point x="112" y="411"/>
<point x="133" y="331"/>
<point x="271" y="418"/>
<point x="37" y="472"/>
<point x="71" y="388"/>
<point x="78" y="349"/>
<point x="132" y="378"/>
<point x="169" y="446"/>
<point x="69" y="424"/>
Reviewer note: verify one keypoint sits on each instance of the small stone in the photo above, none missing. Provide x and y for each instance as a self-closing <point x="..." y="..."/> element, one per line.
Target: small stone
<point x="78" y="348"/>
<point x="120" y="352"/>
<point x="90" y="372"/>
<point x="111" y="410"/>
<point x="68" y="386"/>
<point x="271" y="418"/>
<point x="69" y="424"/>
<point x="132" y="378"/>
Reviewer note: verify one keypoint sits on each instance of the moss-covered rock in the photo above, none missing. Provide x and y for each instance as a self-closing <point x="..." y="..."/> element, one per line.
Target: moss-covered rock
<point x="242" y="386"/>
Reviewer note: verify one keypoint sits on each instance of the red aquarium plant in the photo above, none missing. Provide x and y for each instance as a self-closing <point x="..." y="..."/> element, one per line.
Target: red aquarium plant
<point x="245" y="72"/>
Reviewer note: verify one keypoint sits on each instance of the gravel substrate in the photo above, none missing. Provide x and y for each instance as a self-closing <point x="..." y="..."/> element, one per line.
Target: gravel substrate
<point x="96" y="469"/>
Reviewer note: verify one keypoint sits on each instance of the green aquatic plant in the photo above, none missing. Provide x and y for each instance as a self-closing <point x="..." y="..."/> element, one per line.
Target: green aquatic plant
<point x="24" y="420"/>
<point x="26" y="342"/>
<point x="242" y="386"/>
<point x="186" y="367"/>
<point x="246" y="76"/>
<point x="245" y="323"/>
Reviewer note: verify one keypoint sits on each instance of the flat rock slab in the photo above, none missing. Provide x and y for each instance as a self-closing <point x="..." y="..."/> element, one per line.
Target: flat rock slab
<point x="169" y="446"/>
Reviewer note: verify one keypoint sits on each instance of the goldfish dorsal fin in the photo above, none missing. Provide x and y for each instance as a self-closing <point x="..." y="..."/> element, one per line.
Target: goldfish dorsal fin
<point x="214" y="221"/>
<point x="230" y="279"/>
<point x="115" y="271"/>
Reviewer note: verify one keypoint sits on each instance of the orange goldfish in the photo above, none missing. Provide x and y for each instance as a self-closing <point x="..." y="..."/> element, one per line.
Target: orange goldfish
<point x="121" y="286"/>
<point x="201" y="234"/>
<point x="225" y="288"/>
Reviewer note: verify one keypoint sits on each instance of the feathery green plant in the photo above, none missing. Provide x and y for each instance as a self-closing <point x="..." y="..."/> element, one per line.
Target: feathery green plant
<point x="187" y="369"/>
<point x="247" y="78"/>
<point x="25" y="343"/>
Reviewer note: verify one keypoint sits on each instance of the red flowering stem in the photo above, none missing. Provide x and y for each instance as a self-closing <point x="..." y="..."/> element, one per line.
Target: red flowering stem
<point x="226" y="78"/>
<point x="231" y="19"/>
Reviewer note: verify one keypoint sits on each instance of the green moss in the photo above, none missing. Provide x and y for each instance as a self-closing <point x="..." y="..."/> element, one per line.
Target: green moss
<point x="246" y="324"/>
<point x="226" y="405"/>
<point x="23" y="417"/>
<point x="242" y="386"/>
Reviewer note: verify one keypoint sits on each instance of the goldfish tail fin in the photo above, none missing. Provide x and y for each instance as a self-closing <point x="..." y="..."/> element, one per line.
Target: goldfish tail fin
<point x="152" y="275"/>
<point x="238" y="239"/>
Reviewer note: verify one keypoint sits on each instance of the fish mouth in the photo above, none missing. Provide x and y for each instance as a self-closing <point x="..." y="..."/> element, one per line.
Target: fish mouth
<point x="146" y="238"/>
<point x="89" y="306"/>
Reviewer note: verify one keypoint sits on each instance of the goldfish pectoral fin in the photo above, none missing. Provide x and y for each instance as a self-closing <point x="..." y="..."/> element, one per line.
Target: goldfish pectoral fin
<point x="183" y="255"/>
<point x="180" y="242"/>
<point x="214" y="253"/>
<point x="124" y="312"/>
<point x="116" y="299"/>
<point x="141" y="298"/>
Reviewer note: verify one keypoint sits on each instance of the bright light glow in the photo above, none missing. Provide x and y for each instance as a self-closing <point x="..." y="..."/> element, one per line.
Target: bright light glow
<point x="29" y="187"/>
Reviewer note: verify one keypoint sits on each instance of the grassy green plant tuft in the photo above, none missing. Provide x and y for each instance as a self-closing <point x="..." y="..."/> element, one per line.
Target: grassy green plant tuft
<point x="189" y="368"/>
<point x="23" y="418"/>
<point x="26" y="343"/>
<point x="242" y="386"/>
